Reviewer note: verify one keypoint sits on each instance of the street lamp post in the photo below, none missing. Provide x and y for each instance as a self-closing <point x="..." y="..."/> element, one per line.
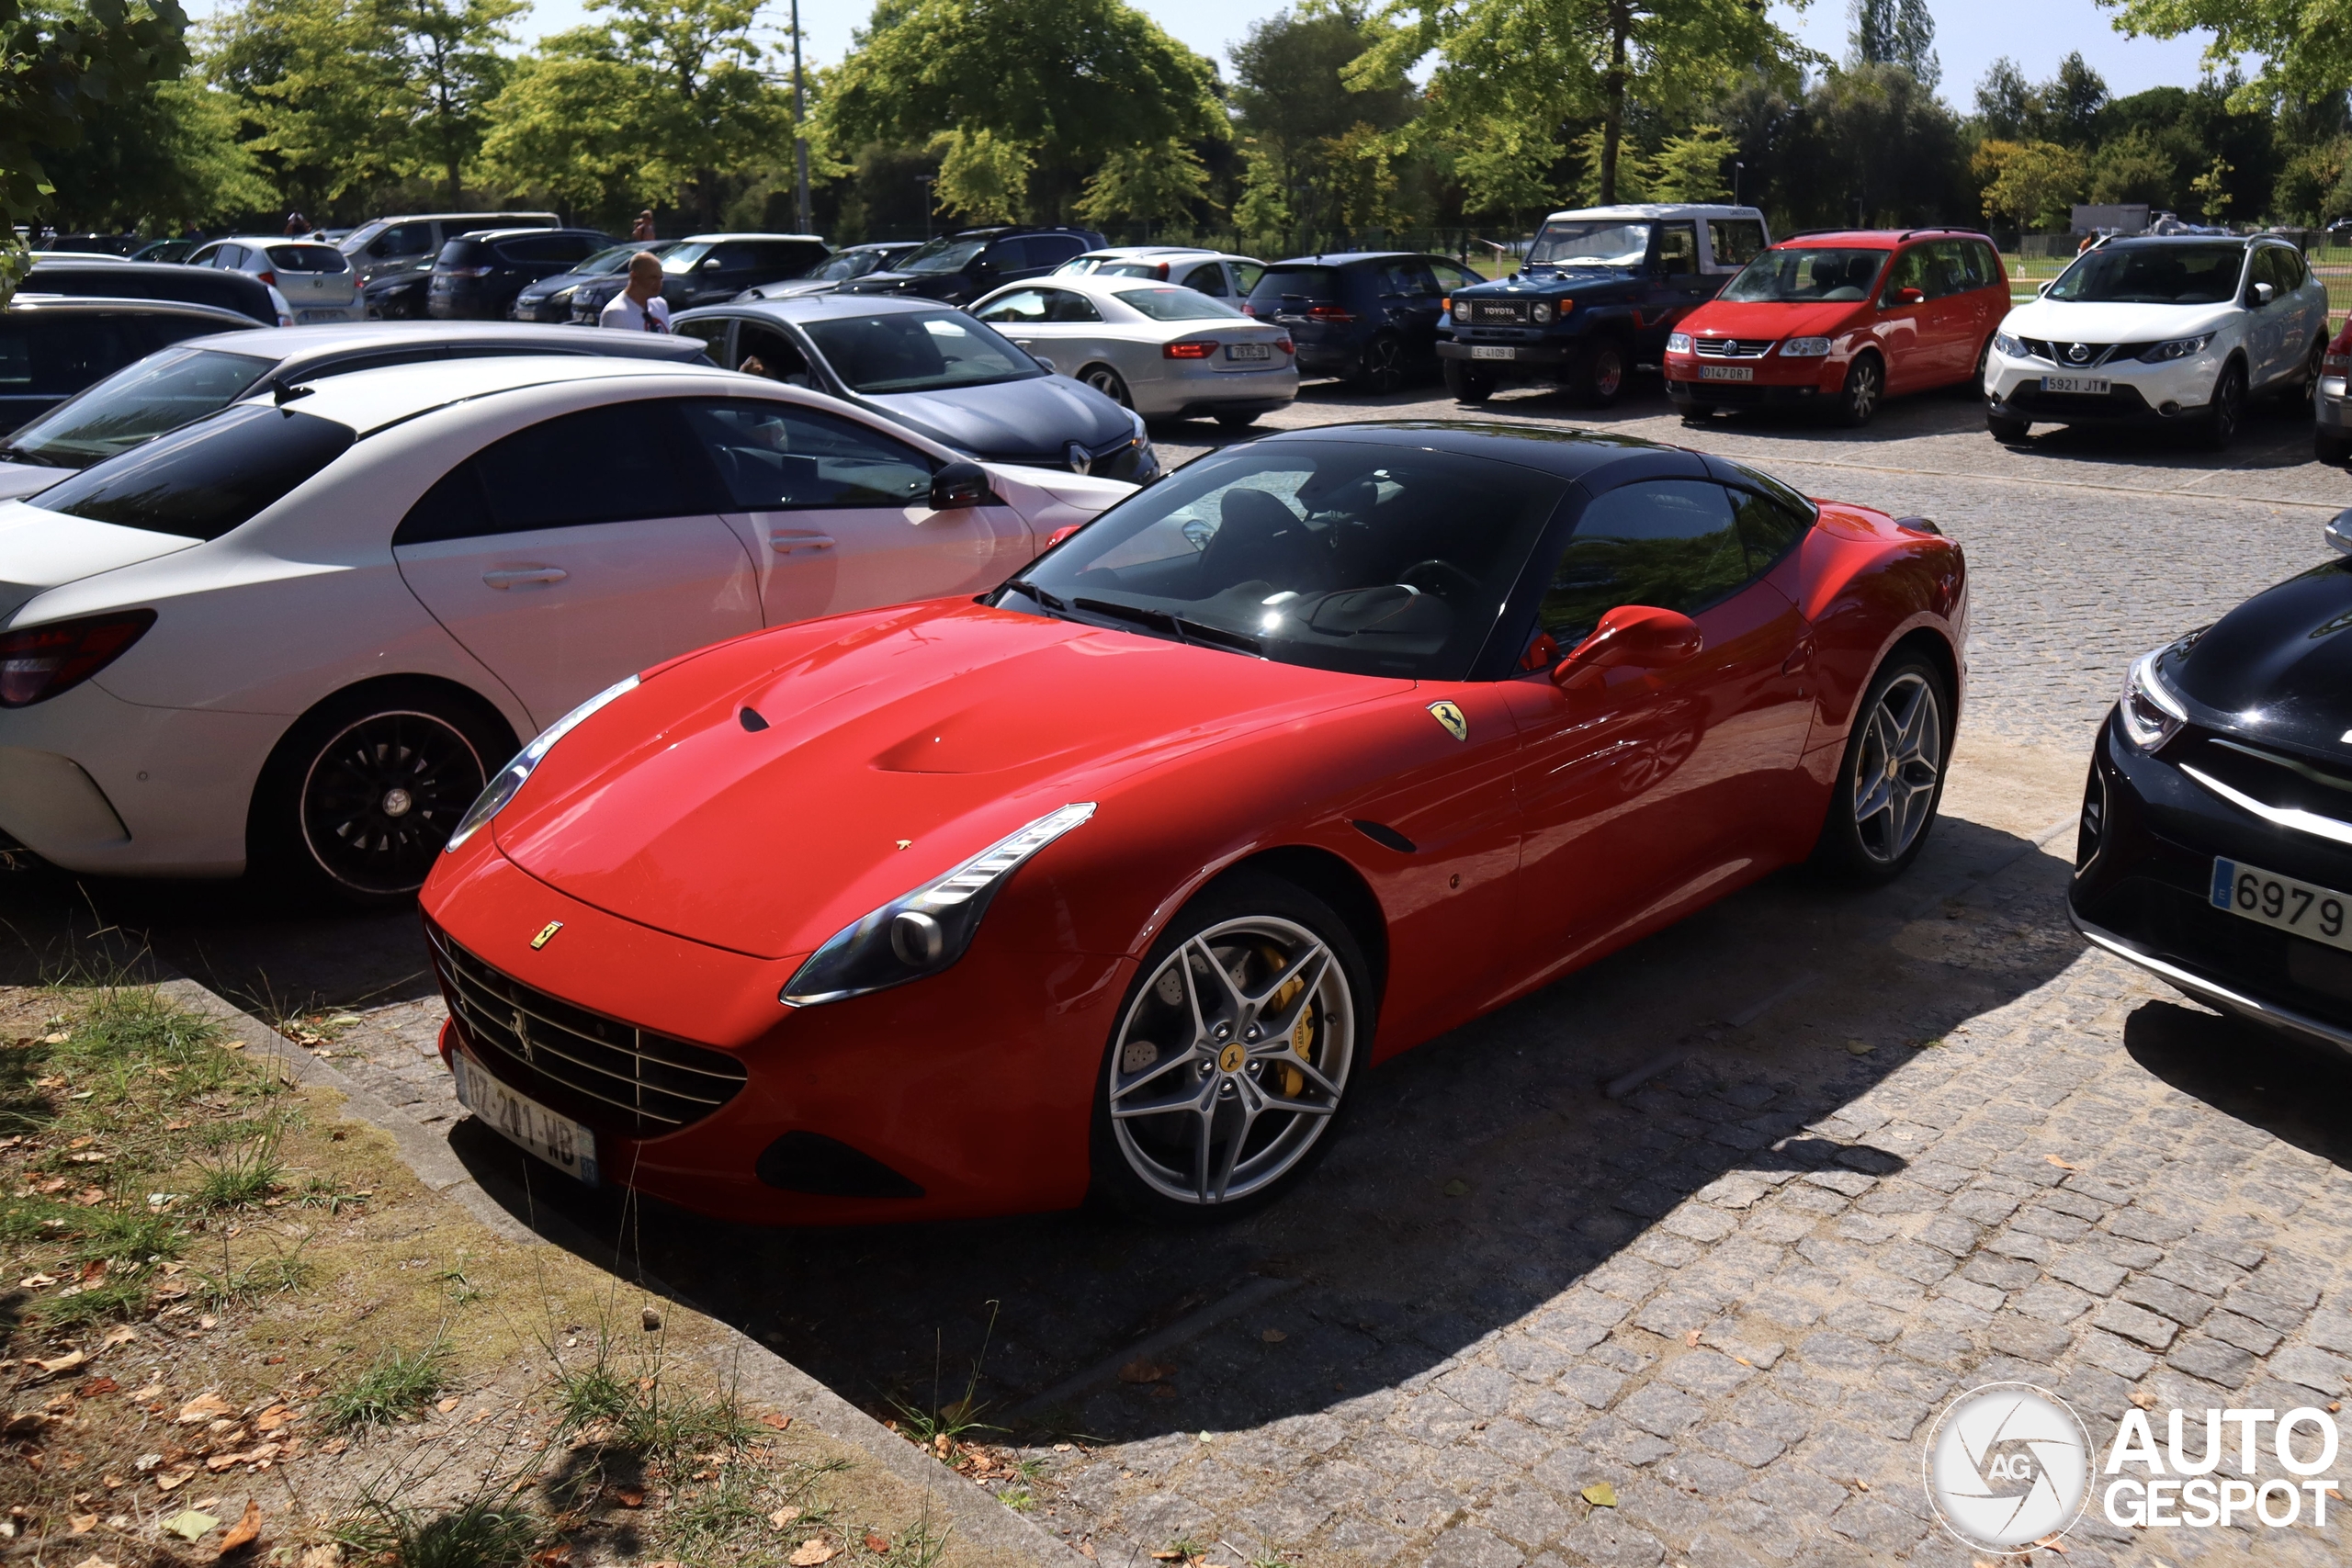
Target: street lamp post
<point x="799" y="132"/>
<point x="1737" y="168"/>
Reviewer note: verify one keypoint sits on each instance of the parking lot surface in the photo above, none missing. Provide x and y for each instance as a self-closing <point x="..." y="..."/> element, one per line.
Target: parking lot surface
<point x="1896" y="1145"/>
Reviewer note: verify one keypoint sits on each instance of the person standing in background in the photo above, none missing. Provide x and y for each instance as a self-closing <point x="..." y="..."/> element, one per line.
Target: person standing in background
<point x="643" y="233"/>
<point x="640" y="307"/>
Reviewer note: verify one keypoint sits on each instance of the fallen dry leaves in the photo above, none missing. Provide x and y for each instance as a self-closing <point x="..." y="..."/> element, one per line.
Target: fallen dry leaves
<point x="812" y="1552"/>
<point x="245" y="1532"/>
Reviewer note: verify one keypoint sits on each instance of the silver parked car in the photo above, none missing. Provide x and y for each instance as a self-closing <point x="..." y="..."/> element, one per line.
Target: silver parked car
<point x="1165" y="351"/>
<point x="316" y="280"/>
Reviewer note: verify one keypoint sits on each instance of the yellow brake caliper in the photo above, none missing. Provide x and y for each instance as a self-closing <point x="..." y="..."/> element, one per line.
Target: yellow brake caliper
<point x="1301" y="1036"/>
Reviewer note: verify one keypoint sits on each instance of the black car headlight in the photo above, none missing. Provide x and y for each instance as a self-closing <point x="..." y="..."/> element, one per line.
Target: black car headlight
<point x="500" y="790"/>
<point x="923" y="931"/>
<point x="2151" y="714"/>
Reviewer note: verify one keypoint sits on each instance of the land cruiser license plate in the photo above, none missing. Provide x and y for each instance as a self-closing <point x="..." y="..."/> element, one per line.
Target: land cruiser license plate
<point x="2270" y="899"/>
<point x="2095" y="385"/>
<point x="1726" y="373"/>
<point x="558" y="1140"/>
<point x="1493" y="351"/>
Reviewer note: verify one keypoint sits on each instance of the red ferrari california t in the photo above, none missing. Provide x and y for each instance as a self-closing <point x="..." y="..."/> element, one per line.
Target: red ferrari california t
<point x="1119" y="878"/>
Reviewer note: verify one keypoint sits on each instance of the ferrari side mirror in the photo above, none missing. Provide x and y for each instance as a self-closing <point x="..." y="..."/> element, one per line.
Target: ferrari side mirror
<point x="960" y="484"/>
<point x="1638" y="634"/>
<point x="2338" y="532"/>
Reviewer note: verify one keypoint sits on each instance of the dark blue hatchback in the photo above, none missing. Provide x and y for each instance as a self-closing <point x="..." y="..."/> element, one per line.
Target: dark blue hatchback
<point x="1368" y="316"/>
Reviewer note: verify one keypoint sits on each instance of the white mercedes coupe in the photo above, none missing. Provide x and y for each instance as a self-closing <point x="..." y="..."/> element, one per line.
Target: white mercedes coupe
<point x="301" y="633"/>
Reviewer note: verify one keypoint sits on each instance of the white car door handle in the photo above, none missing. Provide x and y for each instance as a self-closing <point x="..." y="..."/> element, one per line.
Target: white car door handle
<point x="786" y="544"/>
<point x="523" y="575"/>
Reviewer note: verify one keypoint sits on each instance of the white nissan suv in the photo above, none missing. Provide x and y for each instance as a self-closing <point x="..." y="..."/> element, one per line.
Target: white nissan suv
<point x="2160" y="331"/>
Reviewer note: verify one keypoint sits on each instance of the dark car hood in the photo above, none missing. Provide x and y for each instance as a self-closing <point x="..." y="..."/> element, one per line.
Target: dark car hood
<point x="1011" y="421"/>
<point x="931" y="283"/>
<point x="2279" y="666"/>
<point x="1547" y="281"/>
<point x="541" y="286"/>
<point x="667" y="810"/>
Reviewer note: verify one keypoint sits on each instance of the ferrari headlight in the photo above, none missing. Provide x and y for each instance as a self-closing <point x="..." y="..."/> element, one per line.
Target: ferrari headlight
<point x="2151" y="714"/>
<point x="1677" y="342"/>
<point x="1805" y="347"/>
<point x="2178" y="348"/>
<point x="926" y="931"/>
<point x="494" y="799"/>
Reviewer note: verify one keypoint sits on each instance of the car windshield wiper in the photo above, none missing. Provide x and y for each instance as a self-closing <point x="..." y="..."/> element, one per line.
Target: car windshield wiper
<point x="1022" y="586"/>
<point x="18" y="455"/>
<point x="1171" y="625"/>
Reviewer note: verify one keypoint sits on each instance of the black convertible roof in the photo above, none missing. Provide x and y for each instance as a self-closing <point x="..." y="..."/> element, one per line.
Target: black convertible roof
<point x="1570" y="454"/>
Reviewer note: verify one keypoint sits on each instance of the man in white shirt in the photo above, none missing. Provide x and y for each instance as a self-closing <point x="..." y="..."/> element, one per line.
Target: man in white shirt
<point x="639" y="307"/>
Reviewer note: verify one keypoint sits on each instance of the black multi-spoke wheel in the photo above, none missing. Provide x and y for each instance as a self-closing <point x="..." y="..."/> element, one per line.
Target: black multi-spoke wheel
<point x="2227" y="410"/>
<point x="1891" y="779"/>
<point x="1381" y="368"/>
<point x="365" y="790"/>
<point x="1232" y="1056"/>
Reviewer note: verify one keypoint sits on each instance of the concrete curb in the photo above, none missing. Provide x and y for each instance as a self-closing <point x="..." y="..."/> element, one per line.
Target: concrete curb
<point x="759" y="1373"/>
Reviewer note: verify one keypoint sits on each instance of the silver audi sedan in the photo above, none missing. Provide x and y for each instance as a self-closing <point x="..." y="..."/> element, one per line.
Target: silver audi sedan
<point x="1165" y="351"/>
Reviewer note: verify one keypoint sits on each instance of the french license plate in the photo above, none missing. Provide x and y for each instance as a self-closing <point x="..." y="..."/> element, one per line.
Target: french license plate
<point x="2270" y="899"/>
<point x="1726" y="373"/>
<point x="1249" y="351"/>
<point x="2095" y="385"/>
<point x="524" y="1122"/>
<point x="1493" y="351"/>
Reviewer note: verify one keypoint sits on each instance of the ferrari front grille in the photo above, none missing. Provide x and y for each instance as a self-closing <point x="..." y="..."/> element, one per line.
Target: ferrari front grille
<point x="596" y="1070"/>
<point x="1731" y="347"/>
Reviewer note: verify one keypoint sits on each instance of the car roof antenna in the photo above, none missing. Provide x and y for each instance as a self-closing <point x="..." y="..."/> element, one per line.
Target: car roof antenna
<point x="286" y="392"/>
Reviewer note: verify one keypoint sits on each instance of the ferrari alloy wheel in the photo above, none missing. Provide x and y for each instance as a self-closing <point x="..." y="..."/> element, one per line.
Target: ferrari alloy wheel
<point x="362" y="794"/>
<point x="1232" y="1057"/>
<point x="1893" y="776"/>
<point x="1107" y="381"/>
<point x="1865" y="388"/>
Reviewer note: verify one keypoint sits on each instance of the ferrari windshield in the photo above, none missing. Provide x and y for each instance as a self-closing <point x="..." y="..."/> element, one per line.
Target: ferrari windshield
<point x="1340" y="554"/>
<point x="1809" y="273"/>
<point x="135" y="404"/>
<point x="1590" y="242"/>
<point x="2154" y="275"/>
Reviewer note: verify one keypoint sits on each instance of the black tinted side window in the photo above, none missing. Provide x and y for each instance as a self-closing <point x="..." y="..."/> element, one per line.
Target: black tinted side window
<point x="1767" y="529"/>
<point x="772" y="457"/>
<point x="1672" y="544"/>
<point x="624" y="463"/>
<point x="71" y="352"/>
<point x="204" y="478"/>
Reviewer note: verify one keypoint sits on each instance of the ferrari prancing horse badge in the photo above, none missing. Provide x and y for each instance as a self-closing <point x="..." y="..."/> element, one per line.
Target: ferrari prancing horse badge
<point x="1450" y="716"/>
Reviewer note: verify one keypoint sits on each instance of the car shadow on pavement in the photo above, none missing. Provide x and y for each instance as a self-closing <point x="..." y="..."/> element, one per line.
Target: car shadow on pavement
<point x="1481" y="1176"/>
<point x="2294" y="1090"/>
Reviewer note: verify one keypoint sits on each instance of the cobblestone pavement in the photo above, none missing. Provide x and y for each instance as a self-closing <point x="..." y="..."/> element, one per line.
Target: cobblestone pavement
<point x="1904" y="1144"/>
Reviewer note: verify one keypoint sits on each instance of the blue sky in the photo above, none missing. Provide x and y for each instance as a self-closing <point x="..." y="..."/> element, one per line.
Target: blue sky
<point x="1970" y="34"/>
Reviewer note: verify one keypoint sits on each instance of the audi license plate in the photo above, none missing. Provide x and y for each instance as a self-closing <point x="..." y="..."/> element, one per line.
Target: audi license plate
<point x="1249" y="351"/>
<point x="524" y="1122"/>
<point x="318" y="315"/>
<point x="2094" y="386"/>
<point x="2270" y="899"/>
<point x="1726" y="373"/>
<point x="1493" y="351"/>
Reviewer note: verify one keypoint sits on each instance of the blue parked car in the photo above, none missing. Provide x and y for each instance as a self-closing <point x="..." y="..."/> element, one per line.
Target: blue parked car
<point x="1368" y="316"/>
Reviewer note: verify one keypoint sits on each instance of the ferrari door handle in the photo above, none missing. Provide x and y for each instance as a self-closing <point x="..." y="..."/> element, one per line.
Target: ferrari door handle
<point x="787" y="543"/>
<point x="522" y="576"/>
<point x="1800" y="657"/>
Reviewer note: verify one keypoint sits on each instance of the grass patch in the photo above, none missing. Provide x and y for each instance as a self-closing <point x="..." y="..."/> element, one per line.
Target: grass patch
<point x="241" y="1178"/>
<point x="479" y="1532"/>
<point x="628" y="1402"/>
<point x="396" y="1386"/>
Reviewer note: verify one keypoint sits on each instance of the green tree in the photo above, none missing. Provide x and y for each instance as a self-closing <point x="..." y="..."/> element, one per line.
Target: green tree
<point x="1690" y="167"/>
<point x="2032" y="182"/>
<point x="662" y="104"/>
<point x="1148" y="183"/>
<point x="1322" y="156"/>
<point x="167" y="157"/>
<point x="59" y="71"/>
<point x="320" y="85"/>
<point x="1022" y="99"/>
<point x="2132" y="167"/>
<point x="1555" y="62"/>
<point x="452" y="51"/>
<point x="2305" y="48"/>
<point x="1897" y="32"/>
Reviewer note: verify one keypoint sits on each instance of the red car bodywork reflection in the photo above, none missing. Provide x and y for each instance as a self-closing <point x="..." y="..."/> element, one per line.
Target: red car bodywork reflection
<point x="695" y="861"/>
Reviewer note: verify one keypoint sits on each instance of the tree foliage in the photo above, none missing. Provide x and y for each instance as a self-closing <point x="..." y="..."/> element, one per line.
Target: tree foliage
<point x="59" y="70"/>
<point x="1897" y="32"/>
<point x="1324" y="156"/>
<point x="2305" y="46"/>
<point x="2031" y="183"/>
<point x="1024" y="100"/>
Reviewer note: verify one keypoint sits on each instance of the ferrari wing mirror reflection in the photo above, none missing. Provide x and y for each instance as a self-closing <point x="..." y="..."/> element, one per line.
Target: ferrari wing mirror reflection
<point x="960" y="484"/>
<point x="2338" y="532"/>
<point x="1638" y="634"/>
